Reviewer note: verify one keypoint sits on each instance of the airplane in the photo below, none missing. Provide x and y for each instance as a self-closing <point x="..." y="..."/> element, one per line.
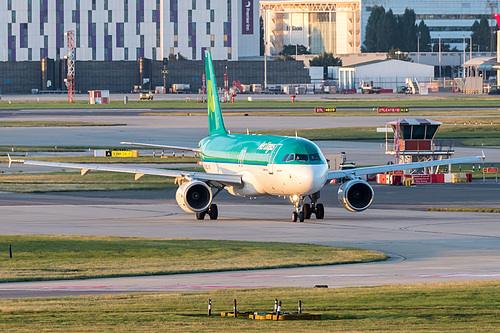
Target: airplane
<point x="250" y="165"/>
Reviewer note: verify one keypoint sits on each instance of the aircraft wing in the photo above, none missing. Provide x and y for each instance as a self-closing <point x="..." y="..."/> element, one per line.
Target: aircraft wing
<point x="139" y="172"/>
<point x="196" y="150"/>
<point x="394" y="167"/>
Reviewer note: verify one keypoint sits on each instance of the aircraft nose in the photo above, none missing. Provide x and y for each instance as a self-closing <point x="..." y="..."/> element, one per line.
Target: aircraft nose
<point x="312" y="178"/>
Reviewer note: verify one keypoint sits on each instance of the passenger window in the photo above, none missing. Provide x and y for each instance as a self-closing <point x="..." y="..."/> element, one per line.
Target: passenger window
<point x="301" y="157"/>
<point x="291" y="157"/>
<point x="285" y="158"/>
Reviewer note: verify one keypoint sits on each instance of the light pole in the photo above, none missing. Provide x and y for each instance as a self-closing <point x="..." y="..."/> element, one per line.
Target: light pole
<point x="398" y="53"/>
<point x="418" y="47"/>
<point x="463" y="70"/>
<point x="265" y="48"/>
<point x="439" y="55"/>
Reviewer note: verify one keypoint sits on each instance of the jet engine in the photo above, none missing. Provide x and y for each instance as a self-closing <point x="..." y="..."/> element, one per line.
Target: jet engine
<point x="356" y="195"/>
<point x="194" y="196"/>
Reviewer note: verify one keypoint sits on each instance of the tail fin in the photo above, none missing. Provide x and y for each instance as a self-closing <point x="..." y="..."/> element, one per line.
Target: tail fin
<point x="215" y="122"/>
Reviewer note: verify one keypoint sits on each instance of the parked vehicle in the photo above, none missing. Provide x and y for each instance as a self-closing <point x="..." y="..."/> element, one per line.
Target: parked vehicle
<point x="494" y="90"/>
<point x="368" y="88"/>
<point x="146" y="95"/>
<point x="403" y="90"/>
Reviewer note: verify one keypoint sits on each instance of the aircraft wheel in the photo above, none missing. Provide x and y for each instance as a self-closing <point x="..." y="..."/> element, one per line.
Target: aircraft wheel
<point x="320" y="211"/>
<point x="294" y="216"/>
<point x="307" y="211"/>
<point x="301" y="216"/>
<point x="213" y="212"/>
<point x="200" y="216"/>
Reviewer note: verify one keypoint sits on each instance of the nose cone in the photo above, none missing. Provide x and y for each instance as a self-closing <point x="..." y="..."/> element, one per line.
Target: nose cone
<point x="310" y="178"/>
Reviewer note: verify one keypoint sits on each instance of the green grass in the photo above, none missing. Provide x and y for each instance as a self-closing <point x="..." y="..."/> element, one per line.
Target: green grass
<point x="438" y="307"/>
<point x="74" y="181"/>
<point x="15" y="123"/>
<point x="241" y="102"/>
<point x="42" y="257"/>
<point x="466" y="210"/>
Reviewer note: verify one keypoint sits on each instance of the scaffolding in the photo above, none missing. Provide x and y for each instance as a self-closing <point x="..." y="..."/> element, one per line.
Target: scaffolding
<point x="71" y="66"/>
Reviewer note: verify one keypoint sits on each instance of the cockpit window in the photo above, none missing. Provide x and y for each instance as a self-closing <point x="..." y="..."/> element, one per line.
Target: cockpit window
<point x="314" y="157"/>
<point x="285" y="158"/>
<point x="291" y="157"/>
<point x="301" y="157"/>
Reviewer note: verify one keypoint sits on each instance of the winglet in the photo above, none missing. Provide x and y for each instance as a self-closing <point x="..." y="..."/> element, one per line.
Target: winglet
<point x="215" y="122"/>
<point x="483" y="157"/>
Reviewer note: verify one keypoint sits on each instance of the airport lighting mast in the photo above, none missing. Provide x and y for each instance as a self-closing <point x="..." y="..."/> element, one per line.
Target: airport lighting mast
<point x="71" y="66"/>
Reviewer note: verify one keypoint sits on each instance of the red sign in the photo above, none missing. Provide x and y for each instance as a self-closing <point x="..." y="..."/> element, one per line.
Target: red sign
<point x="319" y="110"/>
<point x="392" y="110"/>
<point x="497" y="17"/>
<point x="397" y="172"/>
<point x="422" y="179"/>
<point x="490" y="170"/>
<point x="388" y="110"/>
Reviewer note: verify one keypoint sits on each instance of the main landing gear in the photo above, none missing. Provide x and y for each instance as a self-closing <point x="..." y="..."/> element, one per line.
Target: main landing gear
<point x="304" y="211"/>
<point x="212" y="212"/>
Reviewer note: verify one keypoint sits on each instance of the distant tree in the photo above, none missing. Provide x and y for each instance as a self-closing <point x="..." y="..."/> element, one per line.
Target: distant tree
<point x="292" y="49"/>
<point x="408" y="31"/>
<point x="425" y="37"/>
<point x="370" y="43"/>
<point x="444" y="47"/>
<point x="393" y="54"/>
<point x="481" y="35"/>
<point x="325" y="59"/>
<point x="176" y="57"/>
<point x="387" y="32"/>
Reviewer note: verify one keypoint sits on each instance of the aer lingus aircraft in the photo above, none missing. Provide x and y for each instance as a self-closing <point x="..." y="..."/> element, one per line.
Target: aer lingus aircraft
<point x="258" y="165"/>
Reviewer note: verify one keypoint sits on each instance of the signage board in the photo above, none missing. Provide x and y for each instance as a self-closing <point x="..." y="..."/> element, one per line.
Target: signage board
<point x="490" y="170"/>
<point x="392" y="110"/>
<point x="247" y="19"/>
<point x="319" y="110"/>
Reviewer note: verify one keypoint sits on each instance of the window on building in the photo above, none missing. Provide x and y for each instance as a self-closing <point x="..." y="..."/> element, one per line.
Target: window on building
<point x="30" y="54"/>
<point x="212" y="15"/>
<point x="126" y="53"/>
<point x="110" y="16"/>
<point x="13" y="16"/>
<point x="93" y="4"/>
<point x="193" y="4"/>
<point x="105" y="4"/>
<point x="94" y="54"/>
<point x="154" y="53"/>
<point x="9" y="4"/>
<point x="212" y="40"/>
<point x="208" y="4"/>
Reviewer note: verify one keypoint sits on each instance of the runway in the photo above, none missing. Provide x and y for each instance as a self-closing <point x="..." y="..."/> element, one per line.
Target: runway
<point x="423" y="246"/>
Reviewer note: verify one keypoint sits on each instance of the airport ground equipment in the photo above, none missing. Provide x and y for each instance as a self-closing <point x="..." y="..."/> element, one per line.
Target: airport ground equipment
<point x="369" y="88"/>
<point x="146" y="95"/>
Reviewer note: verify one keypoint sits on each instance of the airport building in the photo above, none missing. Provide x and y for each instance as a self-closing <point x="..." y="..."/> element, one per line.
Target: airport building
<point x="108" y="30"/>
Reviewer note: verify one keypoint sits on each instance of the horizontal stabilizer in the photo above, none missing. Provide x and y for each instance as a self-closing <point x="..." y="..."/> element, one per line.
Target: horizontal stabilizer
<point x="196" y="150"/>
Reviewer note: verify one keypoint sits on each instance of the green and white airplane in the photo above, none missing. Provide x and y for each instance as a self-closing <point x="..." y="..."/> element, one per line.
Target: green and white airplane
<point x="257" y="166"/>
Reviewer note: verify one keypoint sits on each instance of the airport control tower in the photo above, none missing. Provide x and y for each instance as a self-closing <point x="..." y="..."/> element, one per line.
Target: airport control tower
<point x="414" y="142"/>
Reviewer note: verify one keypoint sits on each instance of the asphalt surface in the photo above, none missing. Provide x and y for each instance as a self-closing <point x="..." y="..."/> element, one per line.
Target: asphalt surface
<point x="424" y="246"/>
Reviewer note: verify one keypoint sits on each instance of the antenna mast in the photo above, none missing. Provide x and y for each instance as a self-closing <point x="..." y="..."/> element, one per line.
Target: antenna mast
<point x="71" y="66"/>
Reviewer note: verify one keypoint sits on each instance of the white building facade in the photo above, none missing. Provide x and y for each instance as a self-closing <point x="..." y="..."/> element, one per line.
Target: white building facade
<point x="129" y="29"/>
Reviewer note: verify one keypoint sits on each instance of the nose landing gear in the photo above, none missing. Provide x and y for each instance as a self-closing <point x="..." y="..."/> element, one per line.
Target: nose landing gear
<point x="303" y="211"/>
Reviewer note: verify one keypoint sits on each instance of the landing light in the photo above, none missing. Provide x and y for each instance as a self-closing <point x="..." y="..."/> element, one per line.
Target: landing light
<point x="295" y="197"/>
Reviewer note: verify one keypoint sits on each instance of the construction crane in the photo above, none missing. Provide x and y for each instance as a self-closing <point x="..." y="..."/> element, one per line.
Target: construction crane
<point x="71" y="66"/>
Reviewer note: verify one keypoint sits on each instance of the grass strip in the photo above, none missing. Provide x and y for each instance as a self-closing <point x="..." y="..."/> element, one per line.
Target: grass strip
<point x="241" y="102"/>
<point x="434" y="307"/>
<point x="466" y="210"/>
<point x="73" y="181"/>
<point x="16" y="123"/>
<point x="42" y="257"/>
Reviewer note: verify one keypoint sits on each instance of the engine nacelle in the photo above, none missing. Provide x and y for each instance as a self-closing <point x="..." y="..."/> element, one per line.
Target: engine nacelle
<point x="194" y="196"/>
<point x="356" y="195"/>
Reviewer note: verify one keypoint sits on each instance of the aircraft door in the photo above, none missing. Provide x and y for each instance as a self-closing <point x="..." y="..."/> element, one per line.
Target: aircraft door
<point x="241" y="157"/>
<point x="270" y="164"/>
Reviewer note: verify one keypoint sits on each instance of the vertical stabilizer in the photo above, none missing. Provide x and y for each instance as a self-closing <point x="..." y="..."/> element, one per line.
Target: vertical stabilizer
<point x="215" y="122"/>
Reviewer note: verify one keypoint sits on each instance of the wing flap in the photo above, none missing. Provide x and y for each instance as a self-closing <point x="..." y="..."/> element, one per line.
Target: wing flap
<point x="139" y="172"/>
<point x="395" y="167"/>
